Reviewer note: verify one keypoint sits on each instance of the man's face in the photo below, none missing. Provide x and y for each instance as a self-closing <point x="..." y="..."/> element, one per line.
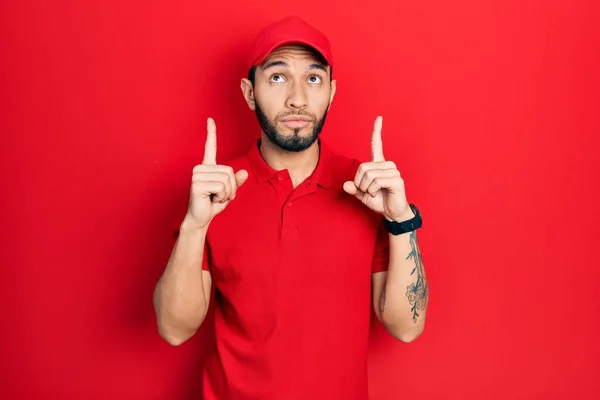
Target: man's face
<point x="292" y="93"/>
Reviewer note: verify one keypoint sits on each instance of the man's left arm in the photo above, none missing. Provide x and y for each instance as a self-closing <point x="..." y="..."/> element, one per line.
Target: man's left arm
<point x="401" y="294"/>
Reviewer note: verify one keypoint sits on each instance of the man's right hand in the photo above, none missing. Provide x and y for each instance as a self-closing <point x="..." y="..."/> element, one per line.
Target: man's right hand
<point x="213" y="186"/>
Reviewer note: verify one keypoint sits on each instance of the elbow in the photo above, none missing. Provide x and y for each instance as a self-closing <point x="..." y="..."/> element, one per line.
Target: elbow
<point x="403" y="333"/>
<point x="175" y="329"/>
<point x="174" y="326"/>
<point x="174" y="340"/>
<point x="407" y="336"/>
<point x="174" y="337"/>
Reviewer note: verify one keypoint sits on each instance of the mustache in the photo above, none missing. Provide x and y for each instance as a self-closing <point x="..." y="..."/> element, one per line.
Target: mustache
<point x="304" y="114"/>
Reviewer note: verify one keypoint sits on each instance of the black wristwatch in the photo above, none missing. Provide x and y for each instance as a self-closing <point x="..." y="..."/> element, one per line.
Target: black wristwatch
<point x="398" y="228"/>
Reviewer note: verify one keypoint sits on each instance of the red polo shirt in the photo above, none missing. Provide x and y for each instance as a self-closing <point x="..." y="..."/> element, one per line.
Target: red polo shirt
<point x="292" y="270"/>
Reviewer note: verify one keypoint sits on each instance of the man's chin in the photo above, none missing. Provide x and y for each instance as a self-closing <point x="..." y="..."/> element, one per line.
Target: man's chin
<point x="293" y="143"/>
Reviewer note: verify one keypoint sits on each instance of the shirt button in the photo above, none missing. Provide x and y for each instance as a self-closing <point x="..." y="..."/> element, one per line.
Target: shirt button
<point x="290" y="204"/>
<point x="280" y="177"/>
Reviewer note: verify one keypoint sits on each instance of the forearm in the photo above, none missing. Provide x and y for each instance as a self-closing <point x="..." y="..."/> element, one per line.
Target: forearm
<point x="404" y="298"/>
<point x="180" y="298"/>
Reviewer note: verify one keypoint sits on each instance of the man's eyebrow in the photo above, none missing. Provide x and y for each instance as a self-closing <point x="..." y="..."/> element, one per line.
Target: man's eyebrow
<point x="284" y="64"/>
<point x="275" y="64"/>
<point x="317" y="66"/>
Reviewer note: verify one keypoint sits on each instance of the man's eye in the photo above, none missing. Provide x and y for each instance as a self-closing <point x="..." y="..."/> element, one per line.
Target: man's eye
<point x="314" y="79"/>
<point x="277" y="78"/>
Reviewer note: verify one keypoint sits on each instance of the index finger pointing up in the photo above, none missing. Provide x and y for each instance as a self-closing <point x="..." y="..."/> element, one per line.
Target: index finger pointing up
<point x="210" y="148"/>
<point x="376" y="143"/>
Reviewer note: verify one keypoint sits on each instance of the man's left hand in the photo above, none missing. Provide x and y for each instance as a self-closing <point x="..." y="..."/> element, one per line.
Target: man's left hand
<point x="378" y="183"/>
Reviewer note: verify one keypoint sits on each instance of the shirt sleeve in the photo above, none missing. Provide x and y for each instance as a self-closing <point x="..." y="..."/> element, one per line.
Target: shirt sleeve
<point x="381" y="257"/>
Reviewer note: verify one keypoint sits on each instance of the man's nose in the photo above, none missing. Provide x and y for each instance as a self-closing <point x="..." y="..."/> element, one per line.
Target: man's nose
<point x="297" y="97"/>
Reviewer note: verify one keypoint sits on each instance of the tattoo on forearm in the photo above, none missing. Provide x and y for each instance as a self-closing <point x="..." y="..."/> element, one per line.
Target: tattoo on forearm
<point x="417" y="292"/>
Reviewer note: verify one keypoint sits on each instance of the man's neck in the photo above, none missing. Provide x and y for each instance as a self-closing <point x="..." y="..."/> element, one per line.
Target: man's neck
<point x="300" y="165"/>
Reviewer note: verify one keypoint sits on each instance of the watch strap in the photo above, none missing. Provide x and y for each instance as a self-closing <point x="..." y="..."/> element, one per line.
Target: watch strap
<point x="398" y="228"/>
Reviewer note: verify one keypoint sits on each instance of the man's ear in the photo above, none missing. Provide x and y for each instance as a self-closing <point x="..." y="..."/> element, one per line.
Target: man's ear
<point x="248" y="92"/>
<point x="333" y="87"/>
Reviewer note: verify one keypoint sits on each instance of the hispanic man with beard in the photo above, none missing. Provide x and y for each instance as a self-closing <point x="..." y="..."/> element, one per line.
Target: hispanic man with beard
<point x="297" y="242"/>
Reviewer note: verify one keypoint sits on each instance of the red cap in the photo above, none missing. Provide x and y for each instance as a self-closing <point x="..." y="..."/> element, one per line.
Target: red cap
<point x="288" y="31"/>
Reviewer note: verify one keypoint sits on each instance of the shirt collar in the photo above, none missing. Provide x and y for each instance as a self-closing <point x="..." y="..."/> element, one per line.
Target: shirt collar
<point x="322" y="174"/>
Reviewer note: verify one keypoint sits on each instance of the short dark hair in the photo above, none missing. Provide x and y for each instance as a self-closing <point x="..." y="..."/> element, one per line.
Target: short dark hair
<point x="252" y="75"/>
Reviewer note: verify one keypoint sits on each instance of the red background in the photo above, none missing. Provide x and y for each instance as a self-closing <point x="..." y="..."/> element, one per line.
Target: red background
<point x="491" y="113"/>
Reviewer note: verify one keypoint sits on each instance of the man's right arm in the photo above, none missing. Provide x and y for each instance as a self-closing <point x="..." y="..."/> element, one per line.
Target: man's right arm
<point x="182" y="295"/>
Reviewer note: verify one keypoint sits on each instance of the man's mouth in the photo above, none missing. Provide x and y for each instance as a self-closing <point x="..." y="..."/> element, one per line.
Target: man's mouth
<point x="296" y="121"/>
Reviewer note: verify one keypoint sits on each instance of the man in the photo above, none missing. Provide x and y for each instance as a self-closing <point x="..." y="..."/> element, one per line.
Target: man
<point x="297" y="242"/>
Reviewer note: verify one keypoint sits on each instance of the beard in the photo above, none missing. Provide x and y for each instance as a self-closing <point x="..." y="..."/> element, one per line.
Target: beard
<point x="295" y="142"/>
